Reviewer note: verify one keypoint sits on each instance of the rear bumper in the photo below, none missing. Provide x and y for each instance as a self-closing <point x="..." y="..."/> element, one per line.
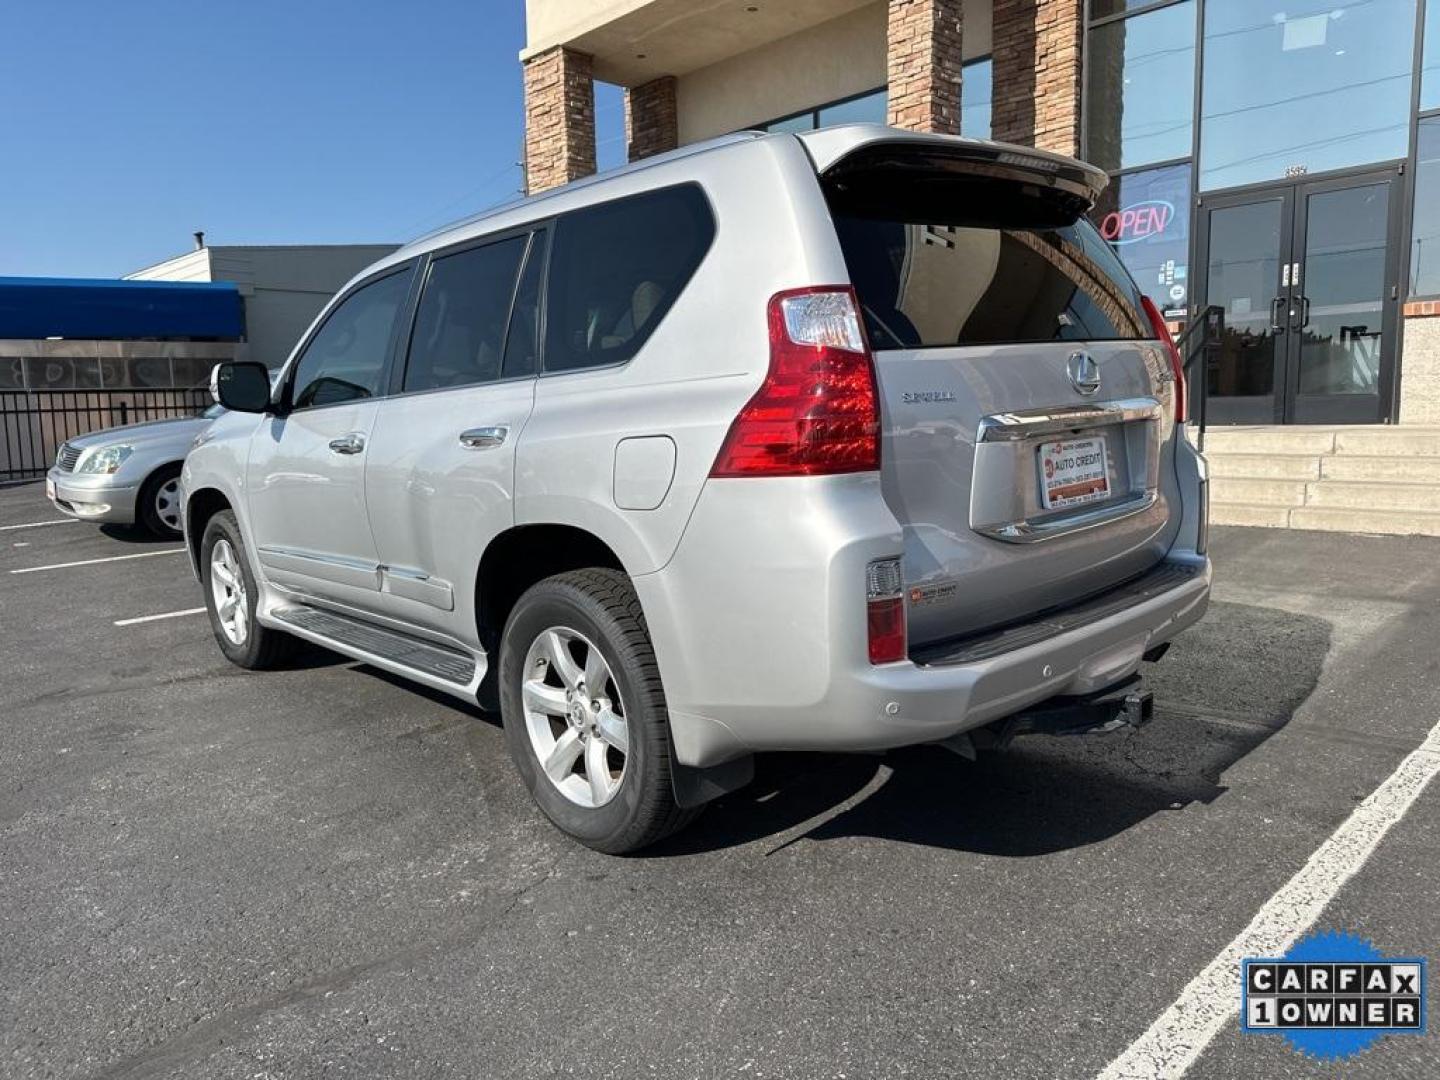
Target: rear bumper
<point x="92" y="498"/>
<point x="763" y="652"/>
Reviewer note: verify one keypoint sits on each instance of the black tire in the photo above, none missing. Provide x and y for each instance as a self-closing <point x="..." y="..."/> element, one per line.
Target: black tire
<point x="262" y="647"/>
<point x="601" y="605"/>
<point x="149" y="513"/>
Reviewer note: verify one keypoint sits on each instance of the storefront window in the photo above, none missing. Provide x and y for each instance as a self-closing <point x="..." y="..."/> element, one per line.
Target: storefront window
<point x="1145" y="216"/>
<point x="977" y="91"/>
<point x="1425" y="238"/>
<point x="1430" y="58"/>
<point x="869" y="109"/>
<point x="1289" y="93"/>
<point x="1140" y="88"/>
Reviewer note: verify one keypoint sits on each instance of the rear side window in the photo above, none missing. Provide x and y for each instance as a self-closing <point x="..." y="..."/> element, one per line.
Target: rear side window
<point x="346" y="358"/>
<point x="615" y="269"/>
<point x="984" y="267"/>
<point x="460" y="324"/>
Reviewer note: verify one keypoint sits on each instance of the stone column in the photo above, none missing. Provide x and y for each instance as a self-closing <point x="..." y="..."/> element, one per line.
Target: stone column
<point x="651" y="123"/>
<point x="1036" y="50"/>
<point x="559" y="118"/>
<point x="923" y="61"/>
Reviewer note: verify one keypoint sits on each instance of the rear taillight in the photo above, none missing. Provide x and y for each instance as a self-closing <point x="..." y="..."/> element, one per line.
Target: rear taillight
<point x="1157" y="323"/>
<point x="816" y="412"/>
<point x="884" y="612"/>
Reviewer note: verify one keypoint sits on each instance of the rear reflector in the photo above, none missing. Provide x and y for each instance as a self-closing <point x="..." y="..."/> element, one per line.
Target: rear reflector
<point x="884" y="611"/>
<point x="816" y="412"/>
<point x="1177" y="366"/>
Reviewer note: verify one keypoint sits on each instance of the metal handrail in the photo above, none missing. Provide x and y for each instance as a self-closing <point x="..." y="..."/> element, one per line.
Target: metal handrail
<point x="1199" y="344"/>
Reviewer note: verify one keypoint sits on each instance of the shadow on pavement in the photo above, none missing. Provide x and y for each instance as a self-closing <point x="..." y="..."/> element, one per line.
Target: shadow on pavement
<point x="1226" y="686"/>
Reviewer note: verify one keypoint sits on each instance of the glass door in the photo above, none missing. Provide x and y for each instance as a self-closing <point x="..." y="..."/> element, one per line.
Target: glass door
<point x="1243" y="243"/>
<point x="1306" y="274"/>
<point x="1342" y="324"/>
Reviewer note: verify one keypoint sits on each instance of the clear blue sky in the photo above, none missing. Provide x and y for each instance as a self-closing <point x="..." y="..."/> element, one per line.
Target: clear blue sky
<point x="128" y="124"/>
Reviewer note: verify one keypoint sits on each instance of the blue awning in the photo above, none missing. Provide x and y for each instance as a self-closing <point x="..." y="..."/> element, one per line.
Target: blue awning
<point x="108" y="309"/>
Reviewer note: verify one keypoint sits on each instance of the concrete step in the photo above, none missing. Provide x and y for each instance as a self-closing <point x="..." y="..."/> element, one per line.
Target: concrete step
<point x="1389" y="442"/>
<point x="1417" y="470"/>
<point x="1269" y="517"/>
<point x="1388" y="522"/>
<point x="1374" y="495"/>
<point x="1257" y="492"/>
<point x="1264" y="466"/>
<point x="1278" y="440"/>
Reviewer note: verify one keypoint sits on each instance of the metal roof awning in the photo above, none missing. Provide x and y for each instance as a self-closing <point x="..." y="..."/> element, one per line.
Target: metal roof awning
<point x="107" y="310"/>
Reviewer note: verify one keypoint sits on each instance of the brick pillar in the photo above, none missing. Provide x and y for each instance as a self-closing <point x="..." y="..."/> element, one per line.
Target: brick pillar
<point x="651" y="123"/>
<point x="923" y="61"/>
<point x="559" y="118"/>
<point x="1036" y="49"/>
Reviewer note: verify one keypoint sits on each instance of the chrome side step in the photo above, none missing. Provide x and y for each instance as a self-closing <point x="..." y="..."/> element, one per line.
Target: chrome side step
<point x="427" y="662"/>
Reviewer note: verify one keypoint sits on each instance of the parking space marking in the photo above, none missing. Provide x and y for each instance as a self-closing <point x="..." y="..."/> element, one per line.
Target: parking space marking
<point x="1212" y="999"/>
<point x="162" y="615"/>
<point x="39" y="524"/>
<point x="92" y="562"/>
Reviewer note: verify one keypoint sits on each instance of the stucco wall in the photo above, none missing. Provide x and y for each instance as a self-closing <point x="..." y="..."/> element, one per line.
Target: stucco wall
<point x="1420" y="371"/>
<point x="836" y="59"/>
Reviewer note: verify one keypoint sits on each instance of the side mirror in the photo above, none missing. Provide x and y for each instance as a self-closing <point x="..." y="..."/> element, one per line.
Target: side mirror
<point x="241" y="386"/>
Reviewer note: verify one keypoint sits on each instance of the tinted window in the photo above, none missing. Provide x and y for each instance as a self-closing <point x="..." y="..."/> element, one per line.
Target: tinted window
<point x="1430" y="62"/>
<point x="977" y="92"/>
<point x="1343" y="68"/>
<point x="1143" y="216"/>
<point x="460" y="322"/>
<point x="973" y="276"/>
<point x="345" y="360"/>
<point x="522" y="344"/>
<point x="1425" y="241"/>
<point x="615" y="270"/>
<point x="1140" y="88"/>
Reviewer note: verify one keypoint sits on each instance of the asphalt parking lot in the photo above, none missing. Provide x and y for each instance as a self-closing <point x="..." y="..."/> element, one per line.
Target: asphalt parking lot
<point x="323" y="871"/>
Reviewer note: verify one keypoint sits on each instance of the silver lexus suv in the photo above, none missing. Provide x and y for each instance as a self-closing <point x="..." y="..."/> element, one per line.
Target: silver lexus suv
<point x="844" y="440"/>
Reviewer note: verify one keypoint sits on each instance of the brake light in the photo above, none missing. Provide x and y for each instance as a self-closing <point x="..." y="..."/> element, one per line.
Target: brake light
<point x="816" y="412"/>
<point x="1157" y="323"/>
<point x="884" y="611"/>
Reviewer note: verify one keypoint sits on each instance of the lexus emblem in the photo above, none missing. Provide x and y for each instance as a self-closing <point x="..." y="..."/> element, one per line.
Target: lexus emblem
<point x="1084" y="373"/>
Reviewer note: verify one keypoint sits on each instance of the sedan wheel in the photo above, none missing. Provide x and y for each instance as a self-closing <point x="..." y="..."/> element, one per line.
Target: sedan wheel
<point x="167" y="504"/>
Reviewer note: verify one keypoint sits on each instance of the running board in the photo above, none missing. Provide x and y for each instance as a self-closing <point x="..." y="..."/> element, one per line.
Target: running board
<point x="427" y="662"/>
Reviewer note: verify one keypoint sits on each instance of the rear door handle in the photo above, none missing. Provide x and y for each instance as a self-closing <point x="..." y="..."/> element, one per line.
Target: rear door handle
<point x="352" y="443"/>
<point x="483" y="438"/>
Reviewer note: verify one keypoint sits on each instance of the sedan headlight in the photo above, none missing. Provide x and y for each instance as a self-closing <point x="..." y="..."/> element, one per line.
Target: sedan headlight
<point x="105" y="460"/>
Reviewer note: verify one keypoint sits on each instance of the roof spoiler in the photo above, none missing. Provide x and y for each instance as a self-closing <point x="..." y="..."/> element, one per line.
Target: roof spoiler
<point x="854" y="148"/>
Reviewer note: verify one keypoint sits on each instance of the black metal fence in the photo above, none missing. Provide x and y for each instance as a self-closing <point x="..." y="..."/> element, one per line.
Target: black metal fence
<point x="34" y="423"/>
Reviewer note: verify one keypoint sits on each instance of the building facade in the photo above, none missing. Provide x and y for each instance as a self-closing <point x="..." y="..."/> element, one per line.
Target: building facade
<point x="1280" y="161"/>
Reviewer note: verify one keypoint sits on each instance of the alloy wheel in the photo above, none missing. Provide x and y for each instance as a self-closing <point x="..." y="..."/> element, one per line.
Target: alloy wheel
<point x="574" y="716"/>
<point x="227" y="587"/>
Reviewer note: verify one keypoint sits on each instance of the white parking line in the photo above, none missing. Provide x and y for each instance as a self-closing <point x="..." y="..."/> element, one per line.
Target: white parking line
<point x="39" y="524"/>
<point x="162" y="615"/>
<point x="92" y="562"/>
<point x="1212" y="1000"/>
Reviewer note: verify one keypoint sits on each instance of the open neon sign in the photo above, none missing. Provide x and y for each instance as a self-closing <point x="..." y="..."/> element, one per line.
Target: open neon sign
<point x="1139" y="221"/>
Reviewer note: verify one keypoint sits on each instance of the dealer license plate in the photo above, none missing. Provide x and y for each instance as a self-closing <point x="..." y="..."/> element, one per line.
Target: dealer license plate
<point x="50" y="489"/>
<point x="1074" y="472"/>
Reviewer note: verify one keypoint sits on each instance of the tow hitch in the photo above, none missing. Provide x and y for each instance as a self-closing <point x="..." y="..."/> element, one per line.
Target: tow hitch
<point x="1124" y="705"/>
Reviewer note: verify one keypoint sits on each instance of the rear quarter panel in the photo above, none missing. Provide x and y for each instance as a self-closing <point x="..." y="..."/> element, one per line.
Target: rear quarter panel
<point x="698" y="368"/>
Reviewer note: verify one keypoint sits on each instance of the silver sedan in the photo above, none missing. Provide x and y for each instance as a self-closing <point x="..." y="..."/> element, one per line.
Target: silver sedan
<point x="127" y="475"/>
